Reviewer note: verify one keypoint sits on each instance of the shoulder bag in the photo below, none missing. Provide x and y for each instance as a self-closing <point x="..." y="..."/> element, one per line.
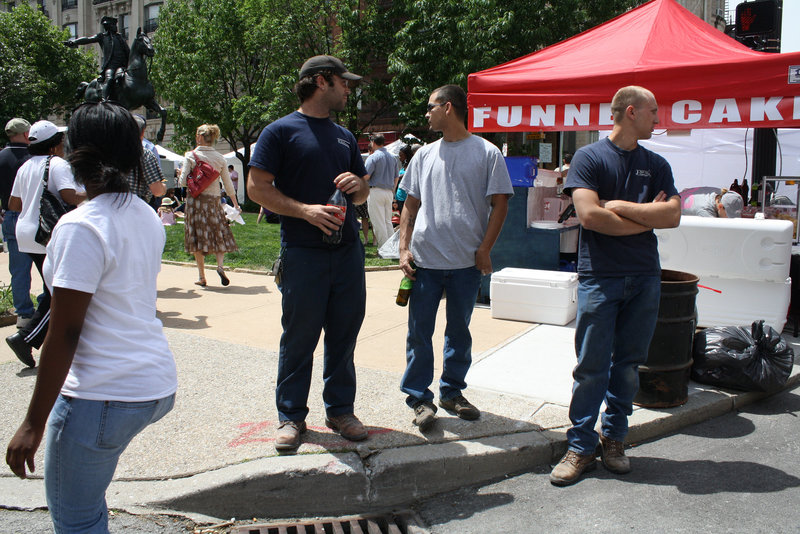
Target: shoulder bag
<point x="51" y="208"/>
<point x="201" y="176"/>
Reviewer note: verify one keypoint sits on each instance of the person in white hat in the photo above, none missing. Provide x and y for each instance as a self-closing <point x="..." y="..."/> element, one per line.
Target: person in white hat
<point x="166" y="211"/>
<point x="47" y="151"/>
<point x="19" y="264"/>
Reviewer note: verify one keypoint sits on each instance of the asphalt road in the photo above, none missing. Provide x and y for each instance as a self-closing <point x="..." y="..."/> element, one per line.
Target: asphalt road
<point x="737" y="473"/>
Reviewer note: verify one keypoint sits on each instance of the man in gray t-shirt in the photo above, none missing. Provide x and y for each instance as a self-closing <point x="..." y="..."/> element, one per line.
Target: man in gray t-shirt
<point x="458" y="190"/>
<point x="383" y="169"/>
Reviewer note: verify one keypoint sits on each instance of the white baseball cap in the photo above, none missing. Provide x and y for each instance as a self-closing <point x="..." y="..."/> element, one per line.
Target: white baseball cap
<point x="43" y="130"/>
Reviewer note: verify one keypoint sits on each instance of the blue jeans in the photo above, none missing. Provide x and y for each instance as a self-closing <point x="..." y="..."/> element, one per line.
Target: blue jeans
<point x="19" y="265"/>
<point x="615" y="323"/>
<point x="461" y="289"/>
<point x="322" y="288"/>
<point x="84" y="442"/>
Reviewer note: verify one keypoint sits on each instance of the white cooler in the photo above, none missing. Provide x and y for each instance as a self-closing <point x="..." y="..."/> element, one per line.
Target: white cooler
<point x="534" y="296"/>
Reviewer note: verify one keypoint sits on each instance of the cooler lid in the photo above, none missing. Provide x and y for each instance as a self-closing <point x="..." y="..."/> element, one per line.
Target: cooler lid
<point x="535" y="276"/>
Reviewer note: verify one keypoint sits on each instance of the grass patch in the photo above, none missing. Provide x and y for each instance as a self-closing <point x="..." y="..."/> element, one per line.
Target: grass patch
<point x="259" y="246"/>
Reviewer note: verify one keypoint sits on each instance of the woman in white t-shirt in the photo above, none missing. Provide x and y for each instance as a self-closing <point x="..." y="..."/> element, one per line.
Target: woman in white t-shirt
<point x="47" y="151"/>
<point x="101" y="265"/>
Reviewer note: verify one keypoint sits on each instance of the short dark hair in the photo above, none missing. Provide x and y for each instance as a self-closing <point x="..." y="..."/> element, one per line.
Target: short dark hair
<point x="230" y="166"/>
<point x="307" y="86"/>
<point x="378" y="139"/>
<point x="456" y="96"/>
<point x="568" y="157"/>
<point x="104" y="139"/>
<point x="43" y="148"/>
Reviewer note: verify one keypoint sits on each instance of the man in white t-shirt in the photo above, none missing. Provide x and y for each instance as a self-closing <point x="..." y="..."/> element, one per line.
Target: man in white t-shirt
<point x="458" y="190"/>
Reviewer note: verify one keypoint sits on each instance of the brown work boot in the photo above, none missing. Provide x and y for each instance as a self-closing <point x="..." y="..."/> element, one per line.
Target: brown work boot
<point x="348" y="426"/>
<point x="424" y="415"/>
<point x="287" y="437"/>
<point x="461" y="407"/>
<point x="571" y="467"/>
<point x="613" y="455"/>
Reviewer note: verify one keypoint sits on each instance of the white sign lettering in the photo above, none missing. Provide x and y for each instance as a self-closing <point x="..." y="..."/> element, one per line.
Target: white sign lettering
<point x="576" y="115"/>
<point x="725" y="109"/>
<point x="760" y="106"/>
<point x="606" y="116"/>
<point x="681" y="109"/>
<point x="543" y="116"/>
<point x="509" y="120"/>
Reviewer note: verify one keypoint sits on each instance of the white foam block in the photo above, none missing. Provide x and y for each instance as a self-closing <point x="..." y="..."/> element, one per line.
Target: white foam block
<point x="740" y="302"/>
<point x="748" y="249"/>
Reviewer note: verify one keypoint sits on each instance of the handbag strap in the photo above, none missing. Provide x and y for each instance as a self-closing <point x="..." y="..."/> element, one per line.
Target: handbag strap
<point x="196" y="159"/>
<point x="46" y="171"/>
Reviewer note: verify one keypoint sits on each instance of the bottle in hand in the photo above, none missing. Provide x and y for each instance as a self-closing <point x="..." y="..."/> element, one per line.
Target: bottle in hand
<point x="406" y="284"/>
<point x="337" y="199"/>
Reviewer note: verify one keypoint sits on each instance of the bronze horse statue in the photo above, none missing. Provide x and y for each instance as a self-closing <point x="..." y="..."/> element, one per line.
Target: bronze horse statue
<point x="133" y="88"/>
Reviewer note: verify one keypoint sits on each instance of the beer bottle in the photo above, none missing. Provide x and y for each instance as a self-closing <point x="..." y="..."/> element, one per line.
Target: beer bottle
<point x="405" y="289"/>
<point x="337" y="199"/>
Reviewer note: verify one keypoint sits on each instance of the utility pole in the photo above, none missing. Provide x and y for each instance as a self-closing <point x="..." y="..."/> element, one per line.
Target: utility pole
<point x="758" y="26"/>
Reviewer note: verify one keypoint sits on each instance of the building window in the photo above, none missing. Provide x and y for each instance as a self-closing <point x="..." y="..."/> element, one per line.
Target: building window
<point x="151" y="17"/>
<point x="68" y="4"/>
<point x="124" y="25"/>
<point x="72" y="28"/>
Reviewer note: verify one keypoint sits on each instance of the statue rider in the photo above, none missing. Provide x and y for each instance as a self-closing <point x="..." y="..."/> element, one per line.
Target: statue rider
<point x="115" y="54"/>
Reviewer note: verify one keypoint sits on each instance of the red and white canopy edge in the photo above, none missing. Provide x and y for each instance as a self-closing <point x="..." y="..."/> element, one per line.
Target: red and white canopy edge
<point x="701" y="78"/>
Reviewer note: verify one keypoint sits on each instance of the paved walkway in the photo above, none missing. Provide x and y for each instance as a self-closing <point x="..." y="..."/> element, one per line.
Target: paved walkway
<point x="213" y="455"/>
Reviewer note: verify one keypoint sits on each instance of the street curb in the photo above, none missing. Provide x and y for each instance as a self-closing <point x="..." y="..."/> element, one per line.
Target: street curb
<point x="346" y="483"/>
<point x="365" y="481"/>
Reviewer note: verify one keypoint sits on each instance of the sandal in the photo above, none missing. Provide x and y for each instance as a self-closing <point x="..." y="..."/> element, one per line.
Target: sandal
<point x="201" y="282"/>
<point x="222" y="277"/>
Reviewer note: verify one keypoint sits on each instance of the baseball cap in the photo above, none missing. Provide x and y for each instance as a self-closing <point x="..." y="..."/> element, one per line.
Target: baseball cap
<point x="44" y="130"/>
<point x="733" y="204"/>
<point x="318" y="64"/>
<point x="17" y="126"/>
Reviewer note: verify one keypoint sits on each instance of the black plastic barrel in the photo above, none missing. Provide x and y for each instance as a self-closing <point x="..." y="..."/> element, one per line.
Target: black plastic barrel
<point x="664" y="379"/>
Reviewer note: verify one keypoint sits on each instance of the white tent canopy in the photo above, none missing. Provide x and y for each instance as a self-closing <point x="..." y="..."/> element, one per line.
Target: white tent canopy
<point x="169" y="155"/>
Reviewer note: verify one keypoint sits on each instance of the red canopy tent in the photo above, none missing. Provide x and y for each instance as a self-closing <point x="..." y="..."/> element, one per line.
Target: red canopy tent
<point x="701" y="78"/>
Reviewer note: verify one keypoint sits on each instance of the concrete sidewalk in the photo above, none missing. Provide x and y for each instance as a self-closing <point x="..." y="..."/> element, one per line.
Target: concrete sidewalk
<point x="213" y="456"/>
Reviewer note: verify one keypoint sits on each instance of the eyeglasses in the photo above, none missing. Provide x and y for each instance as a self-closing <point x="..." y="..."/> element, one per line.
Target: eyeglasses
<point x="431" y="106"/>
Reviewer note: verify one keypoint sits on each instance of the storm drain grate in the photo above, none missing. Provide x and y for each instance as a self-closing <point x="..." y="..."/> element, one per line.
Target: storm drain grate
<point x="405" y="522"/>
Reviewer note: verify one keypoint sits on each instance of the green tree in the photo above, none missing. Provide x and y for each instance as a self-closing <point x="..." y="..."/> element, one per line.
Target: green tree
<point x="234" y="62"/>
<point x="443" y="41"/>
<point x="38" y="74"/>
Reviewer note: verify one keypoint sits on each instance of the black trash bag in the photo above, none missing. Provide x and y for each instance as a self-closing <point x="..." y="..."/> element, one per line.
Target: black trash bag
<point x="738" y="357"/>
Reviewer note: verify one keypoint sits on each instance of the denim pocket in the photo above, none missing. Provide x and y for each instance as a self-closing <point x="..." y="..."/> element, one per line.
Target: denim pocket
<point x="121" y="421"/>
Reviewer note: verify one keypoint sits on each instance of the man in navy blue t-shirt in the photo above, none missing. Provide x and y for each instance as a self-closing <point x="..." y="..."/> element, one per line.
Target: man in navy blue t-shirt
<point x="298" y="162"/>
<point x="621" y="192"/>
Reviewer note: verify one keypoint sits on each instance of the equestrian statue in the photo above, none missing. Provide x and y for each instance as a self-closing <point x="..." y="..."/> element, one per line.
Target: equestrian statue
<point x="123" y="75"/>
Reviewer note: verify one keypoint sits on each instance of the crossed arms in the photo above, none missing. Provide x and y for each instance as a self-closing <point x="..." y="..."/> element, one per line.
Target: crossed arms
<point x="621" y="217"/>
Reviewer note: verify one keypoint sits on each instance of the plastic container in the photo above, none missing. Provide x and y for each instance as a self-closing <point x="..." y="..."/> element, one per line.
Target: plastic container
<point x="728" y="248"/>
<point x="569" y="239"/>
<point x="744" y="262"/>
<point x="534" y="296"/>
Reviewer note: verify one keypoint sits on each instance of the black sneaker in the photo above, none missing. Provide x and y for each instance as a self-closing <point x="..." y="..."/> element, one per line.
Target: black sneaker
<point x="22" y="350"/>
<point x="461" y="407"/>
<point x="424" y="415"/>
